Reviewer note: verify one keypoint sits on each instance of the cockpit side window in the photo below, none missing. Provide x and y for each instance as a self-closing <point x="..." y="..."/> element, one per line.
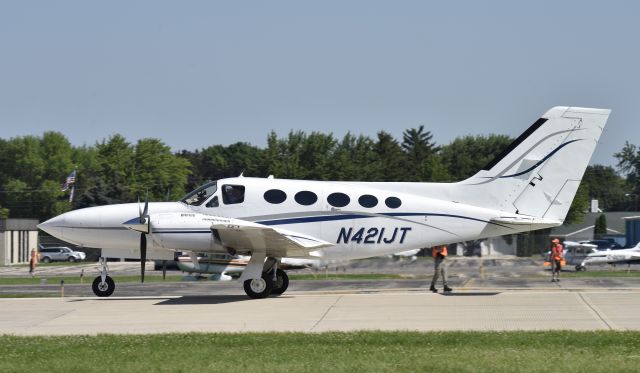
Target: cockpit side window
<point x="213" y="203"/>
<point x="201" y="194"/>
<point x="232" y="194"/>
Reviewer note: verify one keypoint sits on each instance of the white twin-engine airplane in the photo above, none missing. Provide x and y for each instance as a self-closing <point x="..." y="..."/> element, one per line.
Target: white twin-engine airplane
<point x="529" y="186"/>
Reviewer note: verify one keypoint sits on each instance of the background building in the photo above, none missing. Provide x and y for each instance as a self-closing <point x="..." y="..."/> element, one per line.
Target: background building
<point x="17" y="238"/>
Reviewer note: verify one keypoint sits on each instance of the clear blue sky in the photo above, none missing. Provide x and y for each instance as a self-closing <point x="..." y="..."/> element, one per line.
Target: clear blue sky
<point x="197" y="73"/>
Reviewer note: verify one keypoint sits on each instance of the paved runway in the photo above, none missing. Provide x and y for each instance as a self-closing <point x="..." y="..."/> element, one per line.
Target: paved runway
<point x="318" y="312"/>
<point x="489" y="295"/>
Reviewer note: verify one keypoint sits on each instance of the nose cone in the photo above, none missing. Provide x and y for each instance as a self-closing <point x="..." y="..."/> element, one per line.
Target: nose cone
<point x="72" y="226"/>
<point x="54" y="226"/>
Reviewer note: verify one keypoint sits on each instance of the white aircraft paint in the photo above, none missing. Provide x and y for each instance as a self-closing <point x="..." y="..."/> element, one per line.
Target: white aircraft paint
<point x="530" y="187"/>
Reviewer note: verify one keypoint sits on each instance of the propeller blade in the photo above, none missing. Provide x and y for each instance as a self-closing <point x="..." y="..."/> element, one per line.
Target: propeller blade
<point x="143" y="255"/>
<point x="146" y="205"/>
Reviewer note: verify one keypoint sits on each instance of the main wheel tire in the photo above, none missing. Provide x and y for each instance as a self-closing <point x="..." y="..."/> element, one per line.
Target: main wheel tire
<point x="281" y="284"/>
<point x="46" y="259"/>
<point x="259" y="288"/>
<point x="103" y="289"/>
<point x="72" y="259"/>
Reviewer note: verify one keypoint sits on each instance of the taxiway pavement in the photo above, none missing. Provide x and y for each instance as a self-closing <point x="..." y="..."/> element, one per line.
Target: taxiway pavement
<point x="503" y="295"/>
<point x="340" y="311"/>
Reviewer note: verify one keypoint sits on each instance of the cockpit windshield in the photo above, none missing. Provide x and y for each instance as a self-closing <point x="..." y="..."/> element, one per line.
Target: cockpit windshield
<point x="201" y="194"/>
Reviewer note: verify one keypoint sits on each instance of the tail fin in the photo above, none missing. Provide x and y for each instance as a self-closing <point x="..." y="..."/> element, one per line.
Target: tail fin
<point x="539" y="173"/>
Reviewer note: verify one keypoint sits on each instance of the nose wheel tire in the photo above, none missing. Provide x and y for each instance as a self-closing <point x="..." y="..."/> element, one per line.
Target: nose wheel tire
<point x="103" y="289"/>
<point x="281" y="284"/>
<point x="260" y="287"/>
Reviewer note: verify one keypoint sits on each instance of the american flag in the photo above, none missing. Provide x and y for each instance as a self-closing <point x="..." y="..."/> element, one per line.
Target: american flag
<point x="70" y="180"/>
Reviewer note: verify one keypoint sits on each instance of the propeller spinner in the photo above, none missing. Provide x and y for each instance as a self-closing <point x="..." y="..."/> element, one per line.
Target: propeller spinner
<point x="141" y="224"/>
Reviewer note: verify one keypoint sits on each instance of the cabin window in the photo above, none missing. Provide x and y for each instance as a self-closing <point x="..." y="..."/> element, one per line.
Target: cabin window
<point x="338" y="199"/>
<point x="213" y="203"/>
<point x="393" y="202"/>
<point x="306" y="198"/>
<point x="275" y="196"/>
<point x="368" y="201"/>
<point x="232" y="194"/>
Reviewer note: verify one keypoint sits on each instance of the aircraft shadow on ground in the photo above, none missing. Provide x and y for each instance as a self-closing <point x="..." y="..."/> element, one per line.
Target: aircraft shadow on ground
<point x="115" y="299"/>
<point x="474" y="294"/>
<point x="203" y="299"/>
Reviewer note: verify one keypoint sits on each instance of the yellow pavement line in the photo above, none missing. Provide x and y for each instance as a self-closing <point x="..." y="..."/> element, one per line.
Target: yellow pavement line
<point x="468" y="283"/>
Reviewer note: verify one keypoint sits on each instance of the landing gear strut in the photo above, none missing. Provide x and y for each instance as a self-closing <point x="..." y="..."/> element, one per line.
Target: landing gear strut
<point x="103" y="285"/>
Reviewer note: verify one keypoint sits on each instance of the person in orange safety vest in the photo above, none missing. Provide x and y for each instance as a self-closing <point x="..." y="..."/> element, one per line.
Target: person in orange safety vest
<point x="33" y="262"/>
<point x="439" y="255"/>
<point x="557" y="254"/>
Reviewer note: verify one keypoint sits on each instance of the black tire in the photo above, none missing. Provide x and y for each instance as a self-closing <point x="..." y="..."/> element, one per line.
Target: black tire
<point x="281" y="284"/>
<point x="103" y="290"/>
<point x="71" y="259"/>
<point x="580" y="268"/>
<point x="46" y="259"/>
<point x="258" y="289"/>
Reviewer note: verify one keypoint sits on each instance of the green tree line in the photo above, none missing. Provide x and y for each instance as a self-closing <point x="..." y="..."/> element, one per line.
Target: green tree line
<point x="115" y="170"/>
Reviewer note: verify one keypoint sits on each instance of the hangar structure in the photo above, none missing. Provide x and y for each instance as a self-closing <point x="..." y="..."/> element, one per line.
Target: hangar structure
<point x="17" y="238"/>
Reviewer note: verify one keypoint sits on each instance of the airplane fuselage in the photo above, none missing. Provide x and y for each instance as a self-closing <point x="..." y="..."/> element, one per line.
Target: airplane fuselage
<point x="359" y="219"/>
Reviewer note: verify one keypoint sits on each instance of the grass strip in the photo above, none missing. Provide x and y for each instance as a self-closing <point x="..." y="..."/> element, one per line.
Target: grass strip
<point x="555" y="351"/>
<point x="68" y="280"/>
<point x="350" y="276"/>
<point x="26" y="295"/>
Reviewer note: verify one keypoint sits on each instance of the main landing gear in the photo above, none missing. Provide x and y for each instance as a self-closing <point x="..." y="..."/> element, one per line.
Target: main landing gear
<point x="103" y="285"/>
<point x="262" y="280"/>
<point x="266" y="285"/>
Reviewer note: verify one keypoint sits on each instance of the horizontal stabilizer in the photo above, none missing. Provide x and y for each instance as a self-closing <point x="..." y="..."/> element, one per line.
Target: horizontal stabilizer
<point x="526" y="220"/>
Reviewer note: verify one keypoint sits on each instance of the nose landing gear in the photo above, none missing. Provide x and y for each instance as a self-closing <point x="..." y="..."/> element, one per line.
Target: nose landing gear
<point x="103" y="285"/>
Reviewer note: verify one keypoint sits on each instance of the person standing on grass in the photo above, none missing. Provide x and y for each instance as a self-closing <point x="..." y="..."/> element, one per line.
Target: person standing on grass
<point x="439" y="255"/>
<point x="33" y="262"/>
<point x="557" y="253"/>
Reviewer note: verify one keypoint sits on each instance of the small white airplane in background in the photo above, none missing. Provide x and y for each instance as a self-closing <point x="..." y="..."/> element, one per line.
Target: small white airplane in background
<point x="220" y="266"/>
<point x="226" y="267"/>
<point x="412" y="255"/>
<point x="529" y="186"/>
<point x="620" y="256"/>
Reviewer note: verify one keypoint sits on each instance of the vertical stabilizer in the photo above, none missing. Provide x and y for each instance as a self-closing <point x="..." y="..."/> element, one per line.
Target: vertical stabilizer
<point x="539" y="173"/>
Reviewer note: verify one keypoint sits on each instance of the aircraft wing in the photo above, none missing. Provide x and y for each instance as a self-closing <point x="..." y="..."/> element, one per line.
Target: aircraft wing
<point x="247" y="236"/>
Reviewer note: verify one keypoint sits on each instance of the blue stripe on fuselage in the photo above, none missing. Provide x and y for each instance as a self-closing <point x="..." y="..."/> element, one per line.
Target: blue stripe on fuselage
<point x="324" y="218"/>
